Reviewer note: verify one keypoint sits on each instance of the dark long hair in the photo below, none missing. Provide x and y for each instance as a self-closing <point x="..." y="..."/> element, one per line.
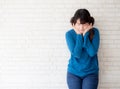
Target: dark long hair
<point x="85" y="17"/>
<point x="91" y="30"/>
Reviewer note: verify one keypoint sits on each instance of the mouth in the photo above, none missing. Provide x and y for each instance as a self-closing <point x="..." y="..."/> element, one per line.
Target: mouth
<point x="81" y="30"/>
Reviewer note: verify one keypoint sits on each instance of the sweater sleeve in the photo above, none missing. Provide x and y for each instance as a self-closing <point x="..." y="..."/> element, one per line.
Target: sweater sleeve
<point x="92" y="46"/>
<point x="74" y="45"/>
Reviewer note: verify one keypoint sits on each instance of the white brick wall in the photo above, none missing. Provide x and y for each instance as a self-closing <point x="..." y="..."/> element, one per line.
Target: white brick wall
<point x="33" y="52"/>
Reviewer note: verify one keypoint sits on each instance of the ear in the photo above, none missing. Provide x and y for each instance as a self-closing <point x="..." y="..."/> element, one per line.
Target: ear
<point x="91" y="24"/>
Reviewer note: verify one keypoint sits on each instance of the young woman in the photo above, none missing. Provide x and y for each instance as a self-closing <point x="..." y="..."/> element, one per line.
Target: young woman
<point x="83" y="43"/>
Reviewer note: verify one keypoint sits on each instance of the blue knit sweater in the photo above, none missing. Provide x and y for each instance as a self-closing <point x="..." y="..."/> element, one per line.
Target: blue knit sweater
<point x="83" y="59"/>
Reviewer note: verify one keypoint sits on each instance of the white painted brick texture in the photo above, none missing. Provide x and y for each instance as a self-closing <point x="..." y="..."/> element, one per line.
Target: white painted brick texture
<point x="33" y="51"/>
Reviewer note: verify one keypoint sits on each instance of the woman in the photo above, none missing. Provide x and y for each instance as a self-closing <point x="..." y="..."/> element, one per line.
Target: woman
<point x="83" y="43"/>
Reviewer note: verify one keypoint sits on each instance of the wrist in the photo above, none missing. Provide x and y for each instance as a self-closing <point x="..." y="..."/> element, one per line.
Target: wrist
<point x="80" y="33"/>
<point x="84" y="33"/>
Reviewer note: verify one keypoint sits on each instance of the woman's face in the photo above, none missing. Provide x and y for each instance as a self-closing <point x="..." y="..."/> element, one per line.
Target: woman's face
<point x="80" y="27"/>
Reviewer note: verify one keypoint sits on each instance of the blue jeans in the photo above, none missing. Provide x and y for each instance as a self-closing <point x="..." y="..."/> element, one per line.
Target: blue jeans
<point x="88" y="82"/>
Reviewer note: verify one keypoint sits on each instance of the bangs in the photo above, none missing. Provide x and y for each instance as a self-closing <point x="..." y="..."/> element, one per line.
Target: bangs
<point x="82" y="21"/>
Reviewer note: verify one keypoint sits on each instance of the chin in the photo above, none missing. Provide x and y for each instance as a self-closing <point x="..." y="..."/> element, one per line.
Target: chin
<point x="81" y="31"/>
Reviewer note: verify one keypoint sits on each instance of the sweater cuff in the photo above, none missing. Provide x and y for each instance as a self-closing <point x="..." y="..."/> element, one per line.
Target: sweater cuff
<point x="86" y="39"/>
<point x="86" y="34"/>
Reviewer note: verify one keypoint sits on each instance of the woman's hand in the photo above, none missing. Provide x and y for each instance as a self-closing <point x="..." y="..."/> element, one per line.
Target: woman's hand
<point x="76" y="30"/>
<point x="88" y="27"/>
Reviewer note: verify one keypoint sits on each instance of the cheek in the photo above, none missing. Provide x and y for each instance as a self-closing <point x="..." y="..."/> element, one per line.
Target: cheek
<point x="85" y="27"/>
<point x="77" y="27"/>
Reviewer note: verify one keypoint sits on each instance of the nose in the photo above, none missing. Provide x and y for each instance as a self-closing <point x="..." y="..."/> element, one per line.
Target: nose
<point x="81" y="27"/>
